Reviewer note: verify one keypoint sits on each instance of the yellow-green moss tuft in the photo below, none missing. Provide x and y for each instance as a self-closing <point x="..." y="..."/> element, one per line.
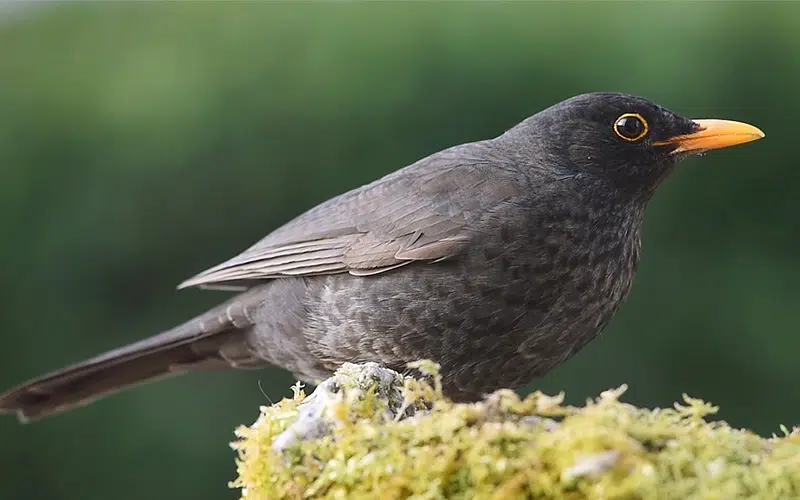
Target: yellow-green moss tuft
<point x="506" y="448"/>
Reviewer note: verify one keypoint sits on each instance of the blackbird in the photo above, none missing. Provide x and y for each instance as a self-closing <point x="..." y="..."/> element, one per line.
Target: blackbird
<point x="498" y="259"/>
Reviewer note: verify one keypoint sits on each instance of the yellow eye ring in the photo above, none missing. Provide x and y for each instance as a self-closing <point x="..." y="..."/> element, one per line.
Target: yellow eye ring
<point x="631" y="127"/>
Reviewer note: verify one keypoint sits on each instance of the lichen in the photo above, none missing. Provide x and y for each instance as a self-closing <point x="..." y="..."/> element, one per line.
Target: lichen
<point x="380" y="435"/>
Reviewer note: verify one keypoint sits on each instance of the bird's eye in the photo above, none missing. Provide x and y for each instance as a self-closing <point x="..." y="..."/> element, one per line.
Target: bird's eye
<point x="631" y="127"/>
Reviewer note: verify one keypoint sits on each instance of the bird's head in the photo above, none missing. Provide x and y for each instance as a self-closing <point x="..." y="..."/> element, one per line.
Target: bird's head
<point x="629" y="140"/>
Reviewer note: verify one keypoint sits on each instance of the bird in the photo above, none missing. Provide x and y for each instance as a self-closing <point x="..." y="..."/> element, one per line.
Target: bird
<point x="498" y="259"/>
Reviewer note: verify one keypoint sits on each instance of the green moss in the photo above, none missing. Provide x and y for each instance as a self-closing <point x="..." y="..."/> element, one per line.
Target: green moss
<point x="505" y="447"/>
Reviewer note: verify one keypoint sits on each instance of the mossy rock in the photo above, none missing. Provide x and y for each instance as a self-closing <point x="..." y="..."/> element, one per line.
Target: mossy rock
<point x="371" y="433"/>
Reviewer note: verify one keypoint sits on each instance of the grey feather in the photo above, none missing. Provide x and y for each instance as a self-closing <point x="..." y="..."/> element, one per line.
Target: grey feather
<point x="409" y="215"/>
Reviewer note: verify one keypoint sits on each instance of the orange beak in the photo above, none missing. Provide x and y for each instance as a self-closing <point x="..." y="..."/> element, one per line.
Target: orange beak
<point x="714" y="134"/>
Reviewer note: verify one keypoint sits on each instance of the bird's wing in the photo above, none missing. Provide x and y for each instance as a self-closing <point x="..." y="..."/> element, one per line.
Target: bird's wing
<point x="420" y="213"/>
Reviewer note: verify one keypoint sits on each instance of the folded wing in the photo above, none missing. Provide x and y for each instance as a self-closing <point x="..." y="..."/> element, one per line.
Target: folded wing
<point x="424" y="212"/>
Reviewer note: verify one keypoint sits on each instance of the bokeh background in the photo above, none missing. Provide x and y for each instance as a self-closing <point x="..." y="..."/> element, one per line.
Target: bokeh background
<point x="140" y="144"/>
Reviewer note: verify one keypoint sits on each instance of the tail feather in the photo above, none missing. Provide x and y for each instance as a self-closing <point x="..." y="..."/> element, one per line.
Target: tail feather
<point x="189" y="347"/>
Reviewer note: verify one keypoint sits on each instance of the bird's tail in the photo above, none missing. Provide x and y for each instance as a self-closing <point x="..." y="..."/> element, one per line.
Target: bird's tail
<point x="192" y="346"/>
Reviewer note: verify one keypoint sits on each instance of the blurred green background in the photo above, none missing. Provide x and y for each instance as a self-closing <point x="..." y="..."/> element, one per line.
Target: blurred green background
<point x="140" y="144"/>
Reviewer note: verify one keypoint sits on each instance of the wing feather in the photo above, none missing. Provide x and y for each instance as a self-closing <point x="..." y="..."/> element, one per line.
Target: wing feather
<point x="423" y="212"/>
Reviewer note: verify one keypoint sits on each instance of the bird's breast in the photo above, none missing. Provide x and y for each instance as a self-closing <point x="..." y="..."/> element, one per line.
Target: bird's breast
<point x="527" y="294"/>
<point x="575" y="274"/>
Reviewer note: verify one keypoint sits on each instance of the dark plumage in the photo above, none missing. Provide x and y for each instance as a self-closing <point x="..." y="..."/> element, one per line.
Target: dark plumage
<point x="498" y="259"/>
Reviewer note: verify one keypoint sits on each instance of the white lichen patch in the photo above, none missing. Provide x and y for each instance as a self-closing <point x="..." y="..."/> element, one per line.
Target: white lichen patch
<point x="351" y="384"/>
